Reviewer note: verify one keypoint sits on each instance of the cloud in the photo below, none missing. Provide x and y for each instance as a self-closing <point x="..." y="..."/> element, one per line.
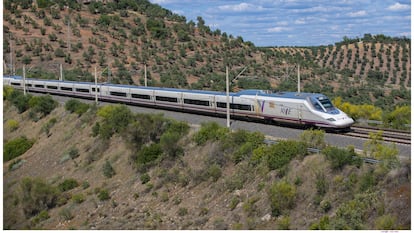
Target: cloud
<point x="300" y="21"/>
<point x="398" y="7"/>
<point x="357" y="14"/>
<point x="242" y="7"/>
<point x="278" y="29"/>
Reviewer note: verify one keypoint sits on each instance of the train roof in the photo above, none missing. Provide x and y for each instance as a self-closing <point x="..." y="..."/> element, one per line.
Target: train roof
<point x="250" y="92"/>
<point x="290" y="95"/>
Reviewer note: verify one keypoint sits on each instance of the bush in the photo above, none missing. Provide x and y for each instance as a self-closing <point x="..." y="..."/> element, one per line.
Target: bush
<point x="280" y="154"/>
<point x="149" y="154"/>
<point x="18" y="99"/>
<point x="37" y="196"/>
<point x="16" y="147"/>
<point x="103" y="195"/>
<point x="43" y="215"/>
<point x="116" y="118"/>
<point x="75" y="106"/>
<point x="73" y="152"/>
<point x="323" y="224"/>
<point x="12" y="125"/>
<point x="108" y="170"/>
<point x="314" y="138"/>
<point x="245" y="142"/>
<point x="283" y="223"/>
<point x="282" y="196"/>
<point x="66" y="214"/>
<point x="209" y="131"/>
<point x="386" y="222"/>
<point x="145" y="178"/>
<point x="214" y="171"/>
<point x="341" y="157"/>
<point x="46" y="127"/>
<point x="78" y="198"/>
<point x="43" y="104"/>
<point x="68" y="184"/>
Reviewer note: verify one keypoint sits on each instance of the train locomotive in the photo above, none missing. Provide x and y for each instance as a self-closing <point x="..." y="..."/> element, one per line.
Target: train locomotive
<point x="287" y="107"/>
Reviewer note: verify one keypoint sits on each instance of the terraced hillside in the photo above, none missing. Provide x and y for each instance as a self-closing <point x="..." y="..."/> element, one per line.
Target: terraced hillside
<point x="119" y="37"/>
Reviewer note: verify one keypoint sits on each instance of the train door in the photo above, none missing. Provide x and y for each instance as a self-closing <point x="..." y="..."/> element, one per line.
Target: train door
<point x="300" y="112"/>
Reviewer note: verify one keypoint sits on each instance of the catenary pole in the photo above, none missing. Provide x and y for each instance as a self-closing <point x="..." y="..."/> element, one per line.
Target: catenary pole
<point x="227" y="97"/>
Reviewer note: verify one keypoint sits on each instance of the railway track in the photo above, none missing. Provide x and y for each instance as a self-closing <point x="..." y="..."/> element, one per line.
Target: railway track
<point x="388" y="135"/>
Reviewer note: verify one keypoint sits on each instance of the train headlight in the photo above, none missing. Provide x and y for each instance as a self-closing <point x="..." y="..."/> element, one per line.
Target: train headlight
<point x="331" y="119"/>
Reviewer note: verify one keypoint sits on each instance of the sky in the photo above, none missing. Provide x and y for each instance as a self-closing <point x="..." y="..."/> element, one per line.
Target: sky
<point x="298" y="22"/>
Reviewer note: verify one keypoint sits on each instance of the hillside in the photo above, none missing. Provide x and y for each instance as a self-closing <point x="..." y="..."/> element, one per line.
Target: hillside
<point x="119" y="37"/>
<point x="108" y="168"/>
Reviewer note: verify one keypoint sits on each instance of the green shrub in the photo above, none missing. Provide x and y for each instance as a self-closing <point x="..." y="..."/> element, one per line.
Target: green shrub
<point x="46" y="127"/>
<point x="66" y="214"/>
<point x="234" y="202"/>
<point x="169" y="143"/>
<point x="182" y="211"/>
<point x="108" y="170"/>
<point x="12" y="125"/>
<point x="103" y="195"/>
<point x="323" y="224"/>
<point x="321" y="183"/>
<point x="244" y="142"/>
<point x="15" y="164"/>
<point x="43" y="104"/>
<point x="18" y="99"/>
<point x="16" y="147"/>
<point x="283" y="223"/>
<point x="116" y="118"/>
<point x="314" y="138"/>
<point x="78" y="198"/>
<point x="282" y="197"/>
<point x="278" y="155"/>
<point x="209" y="131"/>
<point x="353" y="214"/>
<point x="37" y="196"/>
<point x="43" y="215"/>
<point x="386" y="222"/>
<point x="367" y="181"/>
<point x="145" y="178"/>
<point x="73" y="152"/>
<point x="75" y="106"/>
<point x="149" y="154"/>
<point x="341" y="157"/>
<point x="68" y="184"/>
<point x="214" y="171"/>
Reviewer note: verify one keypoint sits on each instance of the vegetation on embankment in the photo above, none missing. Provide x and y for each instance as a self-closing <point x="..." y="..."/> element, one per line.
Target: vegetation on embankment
<point x="108" y="168"/>
<point x="119" y="37"/>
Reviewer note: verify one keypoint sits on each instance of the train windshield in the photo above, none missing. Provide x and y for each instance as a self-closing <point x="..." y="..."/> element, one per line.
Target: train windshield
<point x="326" y="103"/>
<point x="322" y="104"/>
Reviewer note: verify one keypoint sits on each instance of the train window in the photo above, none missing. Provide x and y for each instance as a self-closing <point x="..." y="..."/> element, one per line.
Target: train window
<point x="39" y="86"/>
<point x="28" y="85"/>
<point x="93" y="89"/>
<point x="197" y="102"/>
<point x="52" y="87"/>
<point x="66" y="88"/>
<point x="115" y="93"/>
<point x="82" y="90"/>
<point x="138" y="96"/>
<point x="166" y="99"/>
<point x="326" y="103"/>
<point x="221" y="105"/>
<point x="244" y="107"/>
<point x="15" y="84"/>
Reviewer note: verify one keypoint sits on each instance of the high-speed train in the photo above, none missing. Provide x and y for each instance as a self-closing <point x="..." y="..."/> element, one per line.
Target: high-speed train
<point x="289" y="107"/>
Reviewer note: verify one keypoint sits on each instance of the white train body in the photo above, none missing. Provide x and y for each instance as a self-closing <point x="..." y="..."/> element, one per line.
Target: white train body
<point x="297" y="108"/>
